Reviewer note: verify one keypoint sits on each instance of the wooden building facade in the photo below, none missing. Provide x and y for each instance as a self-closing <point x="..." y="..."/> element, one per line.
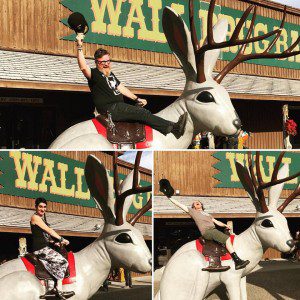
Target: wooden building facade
<point x="59" y="178"/>
<point x="211" y="177"/>
<point x="131" y="31"/>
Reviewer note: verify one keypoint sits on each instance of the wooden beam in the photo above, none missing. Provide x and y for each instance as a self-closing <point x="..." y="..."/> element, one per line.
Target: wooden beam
<point x="257" y="97"/>
<point x="220" y="215"/>
<point x="8" y="229"/>
<point x="37" y="85"/>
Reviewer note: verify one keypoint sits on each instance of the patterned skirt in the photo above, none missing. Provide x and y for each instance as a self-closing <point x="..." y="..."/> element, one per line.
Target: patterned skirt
<point x="54" y="262"/>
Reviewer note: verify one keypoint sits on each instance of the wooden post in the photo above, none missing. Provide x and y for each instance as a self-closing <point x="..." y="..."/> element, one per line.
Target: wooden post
<point x="286" y="138"/>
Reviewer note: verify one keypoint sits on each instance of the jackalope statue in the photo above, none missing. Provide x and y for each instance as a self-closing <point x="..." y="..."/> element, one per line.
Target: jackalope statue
<point x="183" y="277"/>
<point x="207" y="103"/>
<point x="119" y="245"/>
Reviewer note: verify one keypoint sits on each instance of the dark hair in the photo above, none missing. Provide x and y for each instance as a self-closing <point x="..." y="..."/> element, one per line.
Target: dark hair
<point x="40" y="200"/>
<point x="200" y="203"/>
<point x="100" y="53"/>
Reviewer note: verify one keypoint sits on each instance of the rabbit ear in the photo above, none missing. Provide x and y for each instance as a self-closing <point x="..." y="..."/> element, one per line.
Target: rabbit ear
<point x="126" y="185"/>
<point x="100" y="186"/>
<point x="246" y="181"/>
<point x="275" y="191"/>
<point x="179" y="39"/>
<point x="210" y="58"/>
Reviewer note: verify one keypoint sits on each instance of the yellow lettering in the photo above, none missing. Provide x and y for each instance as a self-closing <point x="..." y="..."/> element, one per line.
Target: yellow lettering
<point x="26" y="167"/>
<point x="138" y="201"/>
<point x="98" y="26"/>
<point x="136" y="9"/>
<point x="79" y="193"/>
<point x="179" y="8"/>
<point x="260" y="29"/>
<point x="48" y="176"/>
<point x="63" y="190"/>
<point x="155" y="35"/>
<point x="294" y="36"/>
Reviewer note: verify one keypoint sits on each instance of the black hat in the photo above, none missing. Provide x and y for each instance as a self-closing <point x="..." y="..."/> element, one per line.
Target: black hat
<point x="166" y="188"/>
<point x="78" y="23"/>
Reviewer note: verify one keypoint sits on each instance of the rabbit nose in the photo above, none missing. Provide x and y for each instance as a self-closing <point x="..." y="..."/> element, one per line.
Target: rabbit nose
<point x="150" y="261"/>
<point x="237" y="123"/>
<point x="291" y="243"/>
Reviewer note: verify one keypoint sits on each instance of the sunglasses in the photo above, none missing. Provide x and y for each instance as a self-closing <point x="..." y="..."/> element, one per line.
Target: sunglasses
<point x="102" y="62"/>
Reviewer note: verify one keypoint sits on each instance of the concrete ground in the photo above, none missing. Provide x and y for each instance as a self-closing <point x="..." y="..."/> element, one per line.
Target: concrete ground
<point x="141" y="290"/>
<point x="276" y="279"/>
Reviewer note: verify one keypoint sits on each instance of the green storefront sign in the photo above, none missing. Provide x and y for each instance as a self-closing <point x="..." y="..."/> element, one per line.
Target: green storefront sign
<point x="228" y="177"/>
<point x="137" y="24"/>
<point x="52" y="176"/>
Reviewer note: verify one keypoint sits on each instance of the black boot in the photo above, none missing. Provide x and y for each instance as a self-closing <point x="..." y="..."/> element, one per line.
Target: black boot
<point x="239" y="263"/>
<point x="50" y="290"/>
<point x="179" y="127"/>
<point x="64" y="295"/>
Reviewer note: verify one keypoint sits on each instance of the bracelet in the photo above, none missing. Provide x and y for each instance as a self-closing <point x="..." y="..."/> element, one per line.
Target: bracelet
<point x="79" y="48"/>
<point x="136" y="99"/>
<point x="61" y="239"/>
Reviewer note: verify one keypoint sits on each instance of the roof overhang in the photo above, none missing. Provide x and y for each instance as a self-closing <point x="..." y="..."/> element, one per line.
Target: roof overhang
<point x="219" y="207"/>
<point x="22" y="70"/>
<point x="16" y="220"/>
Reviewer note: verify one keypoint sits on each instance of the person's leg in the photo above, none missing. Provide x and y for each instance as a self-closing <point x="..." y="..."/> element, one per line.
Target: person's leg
<point x="223" y="238"/>
<point x="56" y="265"/>
<point x="126" y="112"/>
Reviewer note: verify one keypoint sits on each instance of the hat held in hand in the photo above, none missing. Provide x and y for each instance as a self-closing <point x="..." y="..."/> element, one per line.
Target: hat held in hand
<point x="166" y="188"/>
<point x="78" y="23"/>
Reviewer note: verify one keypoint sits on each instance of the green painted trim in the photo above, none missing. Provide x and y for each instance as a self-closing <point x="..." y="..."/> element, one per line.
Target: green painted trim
<point x="32" y="174"/>
<point x="147" y="33"/>
<point x="227" y="175"/>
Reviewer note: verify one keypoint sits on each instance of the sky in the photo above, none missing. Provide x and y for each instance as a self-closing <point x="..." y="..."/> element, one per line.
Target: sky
<point x="146" y="161"/>
<point x="293" y="3"/>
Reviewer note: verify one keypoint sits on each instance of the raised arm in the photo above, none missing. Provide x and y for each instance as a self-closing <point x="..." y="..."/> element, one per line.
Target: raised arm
<point x="180" y="205"/>
<point x="84" y="68"/>
<point x="36" y="220"/>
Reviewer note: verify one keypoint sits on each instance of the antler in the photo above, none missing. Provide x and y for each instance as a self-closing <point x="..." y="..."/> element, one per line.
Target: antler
<point x="259" y="185"/>
<point x="142" y="211"/>
<point x="241" y="56"/>
<point x="136" y="189"/>
<point x="210" y="42"/>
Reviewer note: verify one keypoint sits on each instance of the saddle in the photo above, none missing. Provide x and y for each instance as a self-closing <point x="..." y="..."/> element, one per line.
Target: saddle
<point x="34" y="266"/>
<point x="123" y="134"/>
<point x="214" y="253"/>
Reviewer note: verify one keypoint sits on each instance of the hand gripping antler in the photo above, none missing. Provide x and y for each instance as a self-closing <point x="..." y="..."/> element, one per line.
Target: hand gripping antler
<point x="259" y="185"/>
<point x="136" y="189"/>
<point x="241" y="56"/>
<point x="210" y="42"/>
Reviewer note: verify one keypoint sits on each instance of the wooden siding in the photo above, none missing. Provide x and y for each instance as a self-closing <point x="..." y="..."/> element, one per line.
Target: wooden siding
<point x="27" y="203"/>
<point x="192" y="173"/>
<point x="20" y="33"/>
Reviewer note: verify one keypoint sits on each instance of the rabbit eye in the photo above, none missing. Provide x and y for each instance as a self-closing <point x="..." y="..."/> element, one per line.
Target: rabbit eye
<point x="124" y="238"/>
<point x="267" y="223"/>
<point x="205" y="97"/>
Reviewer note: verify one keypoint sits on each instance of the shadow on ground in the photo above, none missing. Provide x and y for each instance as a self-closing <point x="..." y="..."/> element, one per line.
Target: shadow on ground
<point x="114" y="293"/>
<point x="277" y="282"/>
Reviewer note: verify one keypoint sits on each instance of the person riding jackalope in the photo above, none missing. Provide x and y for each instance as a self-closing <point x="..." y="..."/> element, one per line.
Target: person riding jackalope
<point x="44" y="237"/>
<point x="206" y="224"/>
<point x="108" y="91"/>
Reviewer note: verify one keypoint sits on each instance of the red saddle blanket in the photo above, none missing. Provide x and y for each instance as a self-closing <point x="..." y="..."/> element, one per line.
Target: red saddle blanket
<point x="145" y="143"/>
<point x="227" y="256"/>
<point x="68" y="280"/>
